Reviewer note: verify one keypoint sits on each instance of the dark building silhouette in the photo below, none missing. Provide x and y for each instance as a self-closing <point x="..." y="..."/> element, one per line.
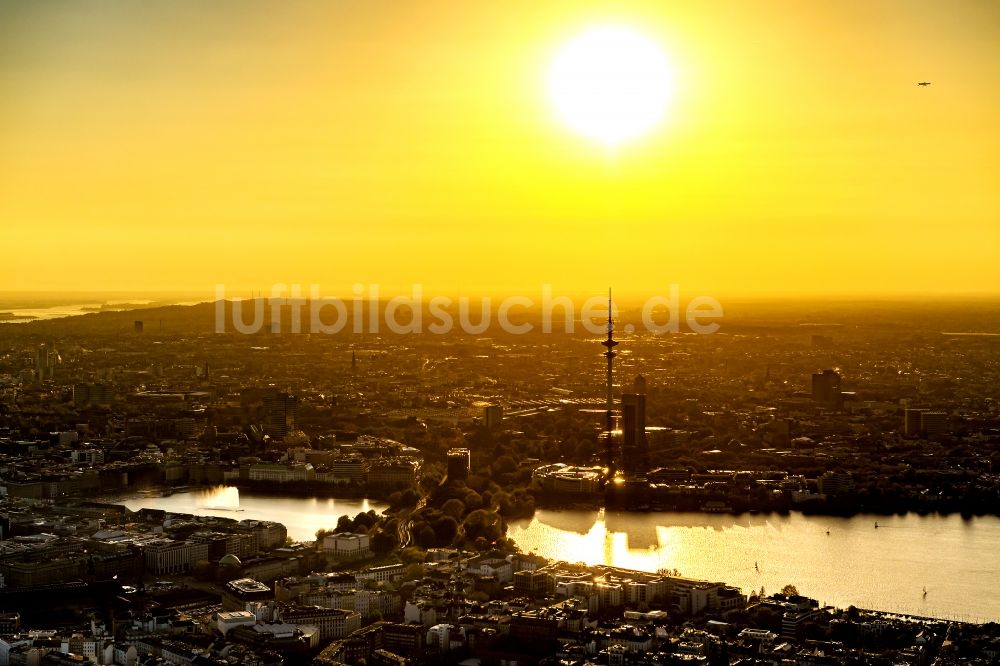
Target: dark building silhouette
<point x="634" y="450"/>
<point x="922" y="421"/>
<point x="280" y="414"/>
<point x="492" y="416"/>
<point x="911" y="421"/>
<point x="45" y="360"/>
<point x="610" y="343"/>
<point x="459" y="464"/>
<point x="826" y="387"/>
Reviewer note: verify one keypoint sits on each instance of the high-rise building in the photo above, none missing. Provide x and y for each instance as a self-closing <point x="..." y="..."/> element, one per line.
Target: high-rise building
<point x="459" y="464"/>
<point x="81" y="394"/>
<point x="911" y="422"/>
<point x="96" y="394"/>
<point x="280" y="414"/>
<point x="826" y="387"/>
<point x="45" y="360"/>
<point x="934" y="423"/>
<point x="492" y="416"/>
<point x="634" y="451"/>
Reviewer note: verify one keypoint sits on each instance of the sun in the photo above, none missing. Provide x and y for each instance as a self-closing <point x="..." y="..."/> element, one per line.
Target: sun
<point x="611" y="84"/>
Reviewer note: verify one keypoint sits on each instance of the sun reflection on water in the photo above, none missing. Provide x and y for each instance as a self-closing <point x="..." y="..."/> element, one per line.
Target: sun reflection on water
<point x="837" y="560"/>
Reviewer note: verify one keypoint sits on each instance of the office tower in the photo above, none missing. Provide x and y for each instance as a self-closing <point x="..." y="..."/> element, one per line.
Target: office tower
<point x="81" y="394"/>
<point x="137" y="325"/>
<point x="911" y="422"/>
<point x="45" y="360"/>
<point x="634" y="450"/>
<point x="826" y="387"/>
<point x="459" y="464"/>
<point x="93" y="394"/>
<point x="280" y="414"/>
<point x="933" y="423"/>
<point x="492" y="416"/>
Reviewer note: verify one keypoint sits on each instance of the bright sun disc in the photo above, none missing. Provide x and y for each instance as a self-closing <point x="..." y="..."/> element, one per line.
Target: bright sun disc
<point x="610" y="84"/>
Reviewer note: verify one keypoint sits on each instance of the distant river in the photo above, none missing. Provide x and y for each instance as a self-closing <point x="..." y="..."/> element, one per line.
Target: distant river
<point x="302" y="516"/>
<point x="25" y="315"/>
<point x="957" y="560"/>
<point x="884" y="568"/>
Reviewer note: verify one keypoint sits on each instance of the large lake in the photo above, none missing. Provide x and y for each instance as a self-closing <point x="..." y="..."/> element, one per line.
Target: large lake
<point x="886" y="568"/>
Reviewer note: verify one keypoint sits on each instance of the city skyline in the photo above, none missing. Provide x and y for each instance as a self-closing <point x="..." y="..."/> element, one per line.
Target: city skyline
<point x="636" y="333"/>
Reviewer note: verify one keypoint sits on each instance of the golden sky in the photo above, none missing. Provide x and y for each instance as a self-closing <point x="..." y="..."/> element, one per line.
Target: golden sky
<point x="177" y="145"/>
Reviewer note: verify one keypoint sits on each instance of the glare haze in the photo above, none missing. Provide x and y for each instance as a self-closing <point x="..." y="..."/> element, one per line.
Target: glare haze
<point x="181" y="145"/>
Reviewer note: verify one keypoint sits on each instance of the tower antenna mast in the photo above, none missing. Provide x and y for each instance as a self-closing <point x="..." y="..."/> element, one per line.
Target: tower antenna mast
<point x="610" y="343"/>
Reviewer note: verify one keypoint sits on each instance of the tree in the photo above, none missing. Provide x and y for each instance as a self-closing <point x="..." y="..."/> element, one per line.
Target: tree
<point x="482" y="524"/>
<point x="503" y="465"/>
<point x="412" y="554"/>
<point x="767" y="619"/>
<point x="425" y="536"/>
<point x="472" y="500"/>
<point x="445" y="528"/>
<point x="812" y="631"/>
<point x="364" y="519"/>
<point x="412" y="572"/>
<point x="403" y="498"/>
<point x="454" y="508"/>
<point x="431" y="477"/>
<point x="383" y="542"/>
<point x="203" y="570"/>
<point x="790" y="591"/>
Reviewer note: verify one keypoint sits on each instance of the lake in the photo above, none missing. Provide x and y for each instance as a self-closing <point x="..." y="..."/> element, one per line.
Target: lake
<point x="884" y="568"/>
<point x="302" y="516"/>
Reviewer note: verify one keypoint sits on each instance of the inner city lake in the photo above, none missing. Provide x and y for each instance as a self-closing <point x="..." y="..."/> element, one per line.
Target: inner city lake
<point x="839" y="561"/>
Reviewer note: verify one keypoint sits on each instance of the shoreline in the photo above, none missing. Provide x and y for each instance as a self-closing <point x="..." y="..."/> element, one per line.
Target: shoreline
<point x="301" y="491"/>
<point x="521" y="523"/>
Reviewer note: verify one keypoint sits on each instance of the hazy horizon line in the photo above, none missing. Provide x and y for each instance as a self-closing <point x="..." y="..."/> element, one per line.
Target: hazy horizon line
<point x="623" y="296"/>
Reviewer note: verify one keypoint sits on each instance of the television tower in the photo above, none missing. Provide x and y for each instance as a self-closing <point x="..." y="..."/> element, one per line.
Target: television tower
<point x="610" y="354"/>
